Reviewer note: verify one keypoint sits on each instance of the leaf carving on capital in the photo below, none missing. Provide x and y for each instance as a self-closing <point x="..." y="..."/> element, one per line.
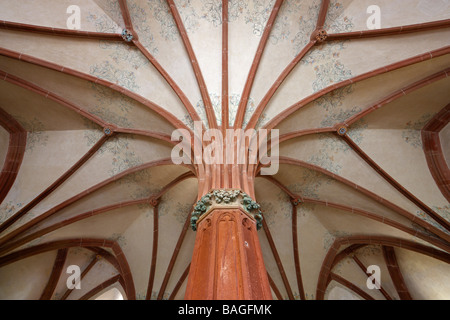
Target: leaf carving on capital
<point x="226" y="197"/>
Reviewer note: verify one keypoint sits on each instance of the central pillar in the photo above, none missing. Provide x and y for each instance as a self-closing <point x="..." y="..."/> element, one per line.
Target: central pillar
<point x="227" y="262"/>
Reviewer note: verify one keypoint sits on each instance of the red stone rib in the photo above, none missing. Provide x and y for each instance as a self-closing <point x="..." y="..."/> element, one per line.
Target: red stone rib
<point x="444" y="245"/>
<point x="58" y="266"/>
<point x="125" y="14"/>
<point x="44" y="194"/>
<point x="124" y="268"/>
<point x="14" y="26"/>
<point x="79" y="196"/>
<point x="395" y="273"/>
<point x="351" y="286"/>
<point x="12" y="245"/>
<point x="254" y="68"/>
<point x="331" y="256"/>
<point x="274" y="287"/>
<point x="432" y="148"/>
<point x="364" y="269"/>
<point x="296" y="253"/>
<point x="151" y="277"/>
<point x="165" y="114"/>
<point x="14" y="156"/>
<point x="278" y="260"/>
<point x="83" y="274"/>
<point x="390" y="205"/>
<point x="410" y="61"/>
<point x="395" y="184"/>
<point x="322" y="14"/>
<point x="434" y="25"/>
<point x="198" y="73"/>
<point x="225" y="114"/>
<point x="174" y="257"/>
<point x="180" y="282"/>
<point x="100" y="287"/>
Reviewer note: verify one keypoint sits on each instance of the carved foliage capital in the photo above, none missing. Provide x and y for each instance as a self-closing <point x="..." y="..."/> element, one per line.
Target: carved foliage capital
<point x="226" y="198"/>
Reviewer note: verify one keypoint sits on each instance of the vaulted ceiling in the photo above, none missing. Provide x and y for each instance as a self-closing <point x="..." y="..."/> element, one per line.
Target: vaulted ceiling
<point x="85" y="142"/>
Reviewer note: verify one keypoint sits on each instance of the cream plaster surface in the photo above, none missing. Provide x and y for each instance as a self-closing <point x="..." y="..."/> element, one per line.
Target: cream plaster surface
<point x="25" y="279"/>
<point x="425" y="277"/>
<point x="59" y="137"/>
<point x="86" y="177"/>
<point x="386" y="124"/>
<point x="344" y="163"/>
<point x="109" y="105"/>
<point x="348" y="269"/>
<point x="118" y="192"/>
<point x="45" y="162"/>
<point x="336" y="291"/>
<point x="373" y="255"/>
<point x="413" y="12"/>
<point x="359" y="96"/>
<point x="357" y="57"/>
<point x="50" y="13"/>
<point x="130" y="70"/>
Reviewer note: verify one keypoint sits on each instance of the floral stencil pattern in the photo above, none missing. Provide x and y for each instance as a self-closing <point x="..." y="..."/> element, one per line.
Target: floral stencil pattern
<point x="155" y="295"/>
<point x="102" y="23"/>
<point x="329" y="73"/>
<point x="107" y="71"/>
<point x="122" y="155"/>
<point x="119" y="238"/>
<point x="328" y="68"/>
<point x="141" y="25"/>
<point x="112" y="10"/>
<point x="161" y="13"/>
<point x="120" y="52"/>
<point x="7" y="209"/>
<point x="37" y="136"/>
<point x="212" y="10"/>
<point x="180" y="210"/>
<point x="311" y="181"/>
<point x="421" y="214"/>
<point x="324" y="160"/>
<point x="334" y="99"/>
<point x="277" y="208"/>
<point x="105" y="97"/>
<point x="330" y="236"/>
<point x="412" y="132"/>
<point x="216" y="104"/>
<point x="443" y="211"/>
<point x="258" y="15"/>
<point x="235" y="99"/>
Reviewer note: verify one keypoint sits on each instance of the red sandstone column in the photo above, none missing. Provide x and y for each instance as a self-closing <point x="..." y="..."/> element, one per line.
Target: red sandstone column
<point x="227" y="263"/>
